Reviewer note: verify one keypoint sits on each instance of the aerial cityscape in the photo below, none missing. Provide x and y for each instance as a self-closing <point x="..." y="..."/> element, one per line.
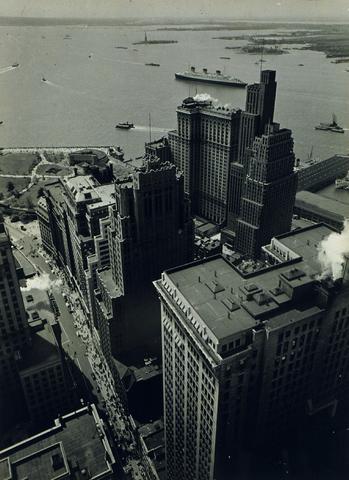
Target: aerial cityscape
<point x="174" y="242"/>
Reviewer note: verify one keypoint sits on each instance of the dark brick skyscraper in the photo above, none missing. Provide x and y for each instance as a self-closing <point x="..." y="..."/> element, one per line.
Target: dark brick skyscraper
<point x="259" y="111"/>
<point x="14" y="330"/>
<point x="150" y="230"/>
<point x="269" y="191"/>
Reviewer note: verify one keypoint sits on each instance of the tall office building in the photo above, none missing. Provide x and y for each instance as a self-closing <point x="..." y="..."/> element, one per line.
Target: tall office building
<point x="203" y="147"/>
<point x="71" y="209"/>
<point x="269" y="191"/>
<point x="150" y="230"/>
<point x="14" y="329"/>
<point x="247" y="357"/>
<point x="259" y="112"/>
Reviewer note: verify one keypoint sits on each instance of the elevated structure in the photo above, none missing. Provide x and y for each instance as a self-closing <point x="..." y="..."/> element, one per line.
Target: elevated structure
<point x="150" y="228"/>
<point x="14" y="331"/>
<point x="258" y="113"/>
<point x="269" y="191"/>
<point x="203" y="148"/>
<point x="247" y="357"/>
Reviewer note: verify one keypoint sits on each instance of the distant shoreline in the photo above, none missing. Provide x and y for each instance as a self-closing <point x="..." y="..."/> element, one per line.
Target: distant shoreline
<point x="176" y="24"/>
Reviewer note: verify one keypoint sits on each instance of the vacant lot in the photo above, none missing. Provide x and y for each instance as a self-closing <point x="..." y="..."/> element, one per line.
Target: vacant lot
<point x="18" y="163"/>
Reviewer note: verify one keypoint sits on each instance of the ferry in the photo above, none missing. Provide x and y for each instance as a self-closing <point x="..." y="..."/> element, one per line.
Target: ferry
<point x="332" y="127"/>
<point x="218" y="77"/>
<point x="125" y="125"/>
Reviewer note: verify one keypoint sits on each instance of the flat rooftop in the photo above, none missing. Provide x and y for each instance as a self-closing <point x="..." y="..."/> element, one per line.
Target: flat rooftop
<point x="28" y="268"/>
<point x="76" y="446"/>
<point x="44" y="348"/>
<point x="229" y="302"/>
<point x="106" y="195"/>
<point x="108" y="282"/>
<point x="321" y="205"/>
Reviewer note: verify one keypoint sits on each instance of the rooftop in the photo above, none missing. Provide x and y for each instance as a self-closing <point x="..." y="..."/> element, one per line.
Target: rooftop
<point x="28" y="268"/>
<point x="321" y="205"/>
<point x="108" y="282"/>
<point x="106" y="194"/>
<point x="43" y="350"/>
<point x="76" y="446"/>
<point x="229" y="302"/>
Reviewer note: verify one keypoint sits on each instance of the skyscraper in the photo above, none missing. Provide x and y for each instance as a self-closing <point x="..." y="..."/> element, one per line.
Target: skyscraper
<point x="259" y="111"/>
<point x="150" y="230"/>
<point x="14" y="329"/>
<point x="203" y="148"/>
<point x="248" y="357"/>
<point x="269" y="191"/>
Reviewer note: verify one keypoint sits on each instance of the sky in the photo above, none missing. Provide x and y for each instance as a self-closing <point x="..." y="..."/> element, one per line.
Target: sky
<point x="235" y="9"/>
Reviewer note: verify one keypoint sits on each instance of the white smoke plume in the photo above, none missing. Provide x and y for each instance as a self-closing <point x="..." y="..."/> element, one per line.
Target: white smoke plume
<point x="205" y="97"/>
<point x="331" y="252"/>
<point x="42" y="282"/>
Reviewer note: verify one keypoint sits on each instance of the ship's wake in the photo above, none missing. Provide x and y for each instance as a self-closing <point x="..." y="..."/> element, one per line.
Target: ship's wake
<point x="144" y="128"/>
<point x="63" y="87"/>
<point x="7" y="69"/>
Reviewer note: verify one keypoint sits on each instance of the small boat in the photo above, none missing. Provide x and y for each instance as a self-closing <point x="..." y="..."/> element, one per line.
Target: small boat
<point x="301" y="64"/>
<point x="151" y="64"/>
<point x="1" y="122"/>
<point x="90" y="56"/>
<point x="331" y="127"/>
<point x="122" y="48"/>
<point x="124" y="125"/>
<point x="43" y="79"/>
<point x="15" y="65"/>
<point x="225" y="58"/>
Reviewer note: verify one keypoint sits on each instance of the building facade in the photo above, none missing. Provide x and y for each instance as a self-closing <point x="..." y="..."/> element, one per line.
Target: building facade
<point x="269" y="191"/>
<point x="247" y="358"/>
<point x="259" y="111"/>
<point x="14" y="330"/>
<point x="203" y="147"/>
<point x="150" y="227"/>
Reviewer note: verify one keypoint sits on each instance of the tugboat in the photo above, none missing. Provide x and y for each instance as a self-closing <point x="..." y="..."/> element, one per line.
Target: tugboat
<point x="332" y="127"/>
<point x="124" y="125"/>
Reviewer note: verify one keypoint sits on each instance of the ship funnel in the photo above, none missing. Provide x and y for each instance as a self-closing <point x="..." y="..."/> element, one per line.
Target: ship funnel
<point x="204" y="70"/>
<point x="218" y="72"/>
<point x="192" y="69"/>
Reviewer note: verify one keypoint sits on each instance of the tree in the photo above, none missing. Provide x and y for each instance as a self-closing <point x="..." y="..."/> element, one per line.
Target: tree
<point x="29" y="203"/>
<point x="10" y="186"/>
<point x="41" y="192"/>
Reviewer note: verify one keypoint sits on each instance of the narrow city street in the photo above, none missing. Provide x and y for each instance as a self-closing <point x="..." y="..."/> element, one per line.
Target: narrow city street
<point x="92" y="377"/>
<point x="29" y="239"/>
